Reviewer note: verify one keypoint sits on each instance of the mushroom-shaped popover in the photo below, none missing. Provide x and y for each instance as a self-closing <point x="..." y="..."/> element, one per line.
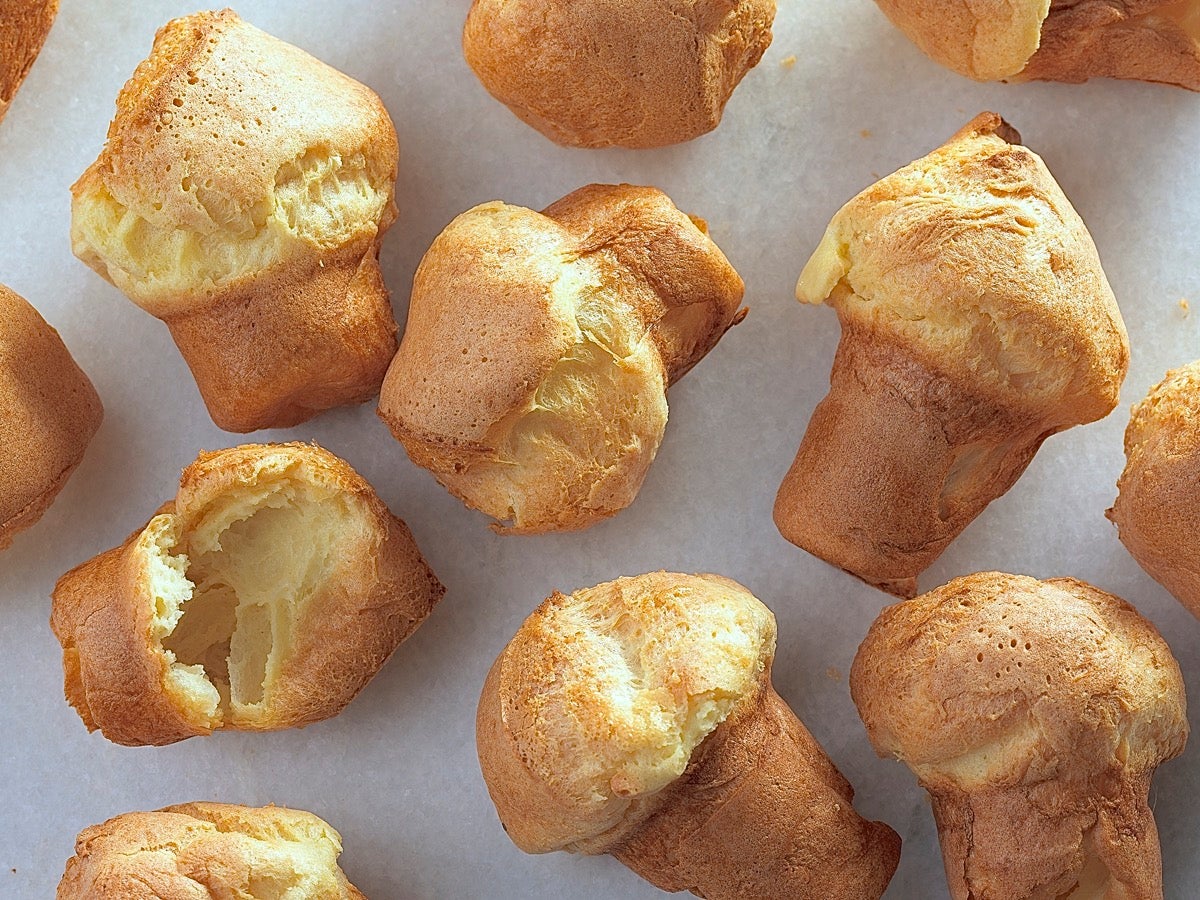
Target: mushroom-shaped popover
<point x="1034" y="713"/>
<point x="637" y="718"/>
<point x="533" y="373"/>
<point x="976" y="322"/>
<point x="241" y="198"/>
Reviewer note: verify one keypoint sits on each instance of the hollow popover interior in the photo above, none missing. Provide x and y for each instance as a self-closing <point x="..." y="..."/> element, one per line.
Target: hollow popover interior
<point x="230" y="584"/>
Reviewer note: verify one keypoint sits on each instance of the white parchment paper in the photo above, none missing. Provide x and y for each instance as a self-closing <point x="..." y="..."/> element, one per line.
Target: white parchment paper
<point x="397" y="773"/>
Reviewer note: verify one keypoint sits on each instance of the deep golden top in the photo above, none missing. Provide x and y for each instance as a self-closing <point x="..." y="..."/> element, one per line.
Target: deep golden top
<point x="974" y="260"/>
<point x="208" y="850"/>
<point x="231" y="152"/>
<point x="604" y="695"/>
<point x="1001" y="680"/>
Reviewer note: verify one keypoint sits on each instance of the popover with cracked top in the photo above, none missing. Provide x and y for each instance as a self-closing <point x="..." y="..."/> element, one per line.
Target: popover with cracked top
<point x="533" y="374"/>
<point x="637" y="718"/>
<point x="241" y="198"/>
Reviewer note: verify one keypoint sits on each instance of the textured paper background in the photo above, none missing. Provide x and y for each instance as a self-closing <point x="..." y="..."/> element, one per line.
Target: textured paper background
<point x="397" y="772"/>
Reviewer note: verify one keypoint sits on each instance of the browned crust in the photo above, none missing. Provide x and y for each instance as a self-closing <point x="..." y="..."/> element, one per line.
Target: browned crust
<point x="760" y="811"/>
<point x="485" y="327"/>
<point x="602" y="73"/>
<point x="684" y="286"/>
<point x="1116" y="39"/>
<point x="377" y="595"/>
<point x="1063" y="40"/>
<point x="24" y="25"/>
<point x="711" y="835"/>
<point x="277" y="345"/>
<point x="1034" y="713"/>
<point x="920" y="431"/>
<point x="873" y="488"/>
<point x="1025" y="844"/>
<point x="330" y="334"/>
<point x="189" y="852"/>
<point x="1157" y="511"/>
<point x="981" y="39"/>
<point x="49" y="413"/>
<point x="481" y="332"/>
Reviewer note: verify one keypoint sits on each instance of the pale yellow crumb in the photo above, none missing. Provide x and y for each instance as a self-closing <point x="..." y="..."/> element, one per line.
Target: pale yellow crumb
<point x="1184" y="307"/>
<point x="788" y="61"/>
<point x="865" y="133"/>
<point x="833" y="673"/>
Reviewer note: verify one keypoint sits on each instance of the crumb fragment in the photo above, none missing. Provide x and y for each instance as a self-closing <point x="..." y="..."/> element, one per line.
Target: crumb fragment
<point x="833" y="673"/>
<point x="788" y="61"/>
<point x="1185" y="308"/>
<point x="865" y="133"/>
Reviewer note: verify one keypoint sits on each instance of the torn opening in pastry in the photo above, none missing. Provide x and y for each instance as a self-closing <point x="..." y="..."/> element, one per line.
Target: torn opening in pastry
<point x="229" y="589"/>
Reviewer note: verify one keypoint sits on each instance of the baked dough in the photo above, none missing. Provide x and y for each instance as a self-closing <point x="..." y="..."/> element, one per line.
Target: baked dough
<point x="49" y="413"/>
<point x="1034" y="713"/>
<point x="201" y="851"/>
<point x="624" y="73"/>
<point x="265" y="596"/>
<point x="637" y="718"/>
<point x="1058" y="40"/>
<point x="1157" y="510"/>
<point x="241" y="198"/>
<point x="976" y="322"/>
<point x="533" y="372"/>
<point x="24" y="25"/>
